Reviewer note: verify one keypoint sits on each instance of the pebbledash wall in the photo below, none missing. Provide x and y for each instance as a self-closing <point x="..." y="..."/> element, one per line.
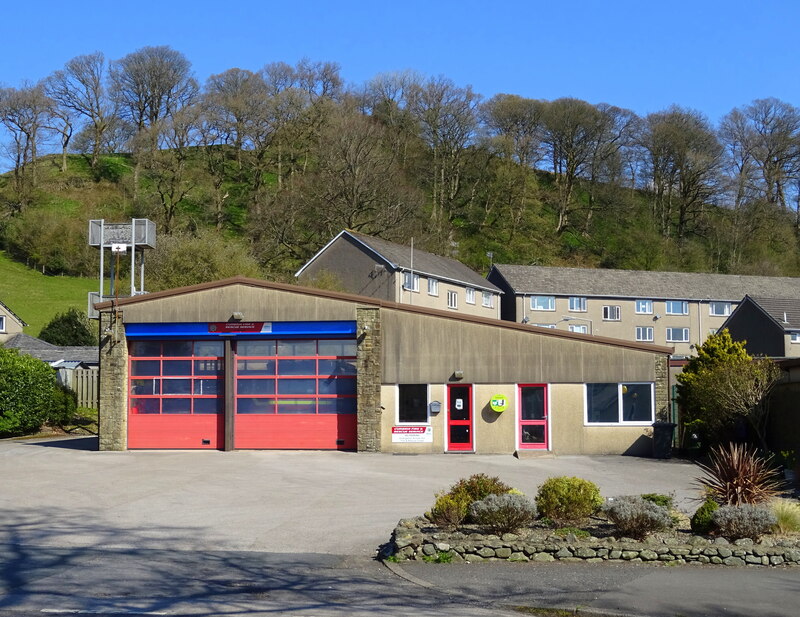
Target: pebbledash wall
<point x="426" y="381"/>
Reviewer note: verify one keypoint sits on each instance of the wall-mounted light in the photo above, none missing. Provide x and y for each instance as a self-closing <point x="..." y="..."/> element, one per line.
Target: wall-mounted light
<point x="458" y="374"/>
<point x="526" y="319"/>
<point x="237" y="316"/>
<point x="656" y="317"/>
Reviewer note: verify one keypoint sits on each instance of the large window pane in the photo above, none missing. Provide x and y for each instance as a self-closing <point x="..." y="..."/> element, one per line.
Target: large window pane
<point x="208" y="405"/>
<point x="337" y="386"/>
<point x="297" y="348"/>
<point x="637" y="402"/>
<point x="297" y="367"/>
<point x="337" y="367"/>
<point x="255" y="386"/>
<point x="532" y="400"/>
<point x="255" y="367"/>
<point x="145" y="386"/>
<point x="177" y="367"/>
<point x="297" y="405"/>
<point x="176" y="386"/>
<point x="255" y="348"/>
<point x="145" y="405"/>
<point x="146" y="367"/>
<point x="337" y="348"/>
<point x="176" y="405"/>
<point x="297" y="386"/>
<point x="208" y="367"/>
<point x="208" y="386"/>
<point x="602" y="402"/>
<point x="413" y="401"/>
<point x="255" y="405"/>
<point x="337" y="405"/>
<point x="177" y="348"/>
<point x="532" y="433"/>
<point x="209" y="348"/>
<point x="145" y="348"/>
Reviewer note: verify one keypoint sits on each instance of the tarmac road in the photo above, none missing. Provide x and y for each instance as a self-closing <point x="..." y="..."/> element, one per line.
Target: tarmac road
<point x="257" y="533"/>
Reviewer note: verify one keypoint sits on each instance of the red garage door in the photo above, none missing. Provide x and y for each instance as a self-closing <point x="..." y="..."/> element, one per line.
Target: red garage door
<point x="295" y="394"/>
<point x="176" y="394"/>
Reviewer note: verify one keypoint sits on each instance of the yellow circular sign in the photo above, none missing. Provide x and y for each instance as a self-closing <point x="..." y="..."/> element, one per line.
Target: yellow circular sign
<point x="498" y="403"/>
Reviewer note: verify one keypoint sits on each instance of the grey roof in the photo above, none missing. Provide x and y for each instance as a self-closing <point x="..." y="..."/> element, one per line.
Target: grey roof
<point x="783" y="311"/>
<point x="644" y="284"/>
<point x="399" y="258"/>
<point x="13" y="314"/>
<point x="49" y="353"/>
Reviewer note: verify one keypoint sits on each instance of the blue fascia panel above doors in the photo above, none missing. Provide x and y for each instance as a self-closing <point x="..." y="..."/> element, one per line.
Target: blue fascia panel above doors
<point x="275" y="329"/>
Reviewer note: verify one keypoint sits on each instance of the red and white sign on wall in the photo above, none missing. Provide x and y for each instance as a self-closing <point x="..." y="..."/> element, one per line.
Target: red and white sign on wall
<point x="412" y="434"/>
<point x="227" y="327"/>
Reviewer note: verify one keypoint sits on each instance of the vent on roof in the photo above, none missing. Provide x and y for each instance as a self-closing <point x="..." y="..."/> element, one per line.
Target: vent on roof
<point x="784" y="318"/>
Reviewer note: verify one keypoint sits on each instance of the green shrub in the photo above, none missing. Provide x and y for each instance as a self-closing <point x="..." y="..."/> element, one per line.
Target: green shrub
<point x="27" y="393"/>
<point x="636" y="517"/>
<point x="744" y="521"/>
<point x="702" y="521"/>
<point x="787" y="516"/>
<point x="64" y="406"/>
<point x="503" y="513"/>
<point x="70" y="328"/>
<point x="449" y="510"/>
<point x="480" y="486"/>
<point x="566" y="500"/>
<point x="665" y="501"/>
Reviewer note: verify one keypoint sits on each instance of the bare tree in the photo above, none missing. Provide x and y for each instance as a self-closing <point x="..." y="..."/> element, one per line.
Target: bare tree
<point x="79" y="88"/>
<point x="24" y="113"/>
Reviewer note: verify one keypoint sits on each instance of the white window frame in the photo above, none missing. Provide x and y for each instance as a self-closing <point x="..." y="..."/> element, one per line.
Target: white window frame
<point x="644" y="307"/>
<point x="726" y="309"/>
<point x="612" y="312"/>
<point x="577" y="304"/>
<point x="414" y="280"/>
<point x="794" y="337"/>
<point x="2" y="323"/>
<point x="469" y="295"/>
<point x="487" y="299"/>
<point x="669" y="305"/>
<point x="538" y="303"/>
<point x="452" y="299"/>
<point x="644" y="334"/>
<point x="619" y="422"/>
<point x="397" y="406"/>
<point x="433" y="287"/>
<point x="671" y="335"/>
<point x="550" y="326"/>
<point x="579" y="328"/>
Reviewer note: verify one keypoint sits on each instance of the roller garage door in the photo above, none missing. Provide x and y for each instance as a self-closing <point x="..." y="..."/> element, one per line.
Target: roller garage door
<point x="285" y="393"/>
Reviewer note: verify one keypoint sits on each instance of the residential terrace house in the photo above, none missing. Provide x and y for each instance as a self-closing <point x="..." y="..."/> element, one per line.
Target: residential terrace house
<point x="678" y="309"/>
<point x="10" y="323"/>
<point x="370" y="266"/>
<point x="770" y="326"/>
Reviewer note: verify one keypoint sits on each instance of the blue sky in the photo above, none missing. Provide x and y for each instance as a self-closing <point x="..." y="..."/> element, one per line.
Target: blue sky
<point x="707" y="55"/>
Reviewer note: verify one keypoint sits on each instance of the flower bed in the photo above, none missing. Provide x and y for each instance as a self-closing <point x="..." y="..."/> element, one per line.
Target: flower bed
<point x="418" y="539"/>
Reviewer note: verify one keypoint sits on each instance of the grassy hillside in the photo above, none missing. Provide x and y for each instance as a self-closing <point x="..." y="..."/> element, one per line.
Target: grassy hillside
<point x="37" y="298"/>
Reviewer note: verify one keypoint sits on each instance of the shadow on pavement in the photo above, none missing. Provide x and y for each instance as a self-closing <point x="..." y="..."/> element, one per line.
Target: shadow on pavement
<point x="87" y="443"/>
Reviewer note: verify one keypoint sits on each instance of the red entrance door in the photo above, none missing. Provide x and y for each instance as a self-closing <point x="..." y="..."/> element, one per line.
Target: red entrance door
<point x="533" y="417"/>
<point x="459" y="418"/>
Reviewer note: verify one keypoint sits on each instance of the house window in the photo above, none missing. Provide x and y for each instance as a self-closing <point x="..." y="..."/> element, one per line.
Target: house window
<point x="644" y="333"/>
<point x="610" y="313"/>
<point x="469" y="296"/>
<point x="677" y="307"/>
<point x="2" y="323"/>
<point x="619" y="403"/>
<point x="551" y="326"/>
<point x="412" y="404"/>
<point x="580" y="329"/>
<point x="644" y="307"/>
<point x="577" y="305"/>
<point x="433" y="287"/>
<point x="487" y="299"/>
<point x="411" y="281"/>
<point x="677" y="335"/>
<point x="543" y="303"/>
<point x="719" y="309"/>
<point x="452" y="299"/>
<point x="795" y="337"/>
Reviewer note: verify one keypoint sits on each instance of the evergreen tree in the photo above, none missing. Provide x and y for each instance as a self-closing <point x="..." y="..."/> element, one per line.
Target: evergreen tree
<point x="70" y="328"/>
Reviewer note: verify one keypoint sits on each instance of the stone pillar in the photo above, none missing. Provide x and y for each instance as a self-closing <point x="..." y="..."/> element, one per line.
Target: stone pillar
<point x="662" y="389"/>
<point x="368" y="365"/>
<point x="113" y="408"/>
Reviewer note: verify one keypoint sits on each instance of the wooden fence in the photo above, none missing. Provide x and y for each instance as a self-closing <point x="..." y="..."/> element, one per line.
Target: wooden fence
<point x="85" y="382"/>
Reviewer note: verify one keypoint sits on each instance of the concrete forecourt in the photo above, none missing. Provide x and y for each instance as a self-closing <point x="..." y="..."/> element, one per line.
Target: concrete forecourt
<point x="260" y="532"/>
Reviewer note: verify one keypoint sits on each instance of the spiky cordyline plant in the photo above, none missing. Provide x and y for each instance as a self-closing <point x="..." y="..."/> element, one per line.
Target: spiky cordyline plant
<point x="738" y="475"/>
